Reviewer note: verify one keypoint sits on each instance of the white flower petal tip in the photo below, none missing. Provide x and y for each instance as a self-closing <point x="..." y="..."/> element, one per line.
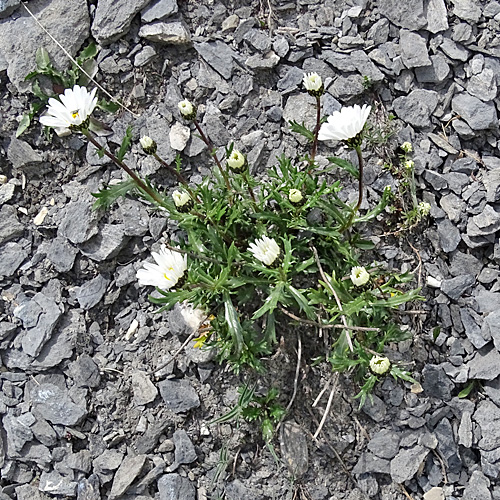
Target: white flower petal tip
<point x="379" y="365"/>
<point x="424" y="208"/>
<point x="265" y="249"/>
<point x="71" y="111"/>
<point x="407" y="147"/>
<point x="359" y="276"/>
<point x="345" y="124"/>
<point x="169" y="269"/>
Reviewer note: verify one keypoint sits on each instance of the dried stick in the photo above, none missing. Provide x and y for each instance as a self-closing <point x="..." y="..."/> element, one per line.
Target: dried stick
<point x="328" y="406"/>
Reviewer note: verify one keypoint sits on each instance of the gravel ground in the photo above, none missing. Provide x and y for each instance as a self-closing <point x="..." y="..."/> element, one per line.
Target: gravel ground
<point x="89" y="407"/>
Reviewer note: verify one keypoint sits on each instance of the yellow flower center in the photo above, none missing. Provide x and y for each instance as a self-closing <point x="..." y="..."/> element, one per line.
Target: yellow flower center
<point x="74" y="114"/>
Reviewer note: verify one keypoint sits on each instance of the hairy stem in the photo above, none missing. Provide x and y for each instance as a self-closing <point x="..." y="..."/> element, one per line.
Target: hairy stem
<point x="138" y="181"/>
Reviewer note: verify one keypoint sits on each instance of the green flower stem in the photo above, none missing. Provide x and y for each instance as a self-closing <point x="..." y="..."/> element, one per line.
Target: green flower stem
<point x="246" y="176"/>
<point x="360" y="190"/>
<point x="211" y="148"/>
<point x="316" y="130"/>
<point x="138" y="181"/>
<point x="178" y="176"/>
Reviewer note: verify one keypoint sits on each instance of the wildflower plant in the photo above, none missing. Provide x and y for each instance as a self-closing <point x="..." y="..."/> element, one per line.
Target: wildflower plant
<point x="258" y="252"/>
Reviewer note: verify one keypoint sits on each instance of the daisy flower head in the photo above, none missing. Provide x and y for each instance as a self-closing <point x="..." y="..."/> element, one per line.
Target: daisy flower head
<point x="379" y="364"/>
<point x="237" y="161"/>
<point x="313" y="84"/>
<point x="187" y="109"/>
<point x="346" y="125"/>
<point x="182" y="200"/>
<point x="359" y="276"/>
<point x="169" y="269"/>
<point x="148" y="145"/>
<point x="265" y="249"/>
<point x="71" y="111"/>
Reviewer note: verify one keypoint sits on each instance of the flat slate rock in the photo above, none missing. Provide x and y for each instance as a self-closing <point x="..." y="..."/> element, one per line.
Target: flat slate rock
<point x="408" y="14"/>
<point x="184" y="448"/>
<point x="179" y="395"/>
<point x="478" y="487"/>
<point x="479" y="115"/>
<point x="485" y="365"/>
<point x="91" y="292"/>
<point x="417" y="107"/>
<point x="293" y="445"/>
<point x="126" y="474"/>
<point x="436" y="383"/>
<point x="10" y="227"/>
<point x="407" y="463"/>
<point x="218" y="55"/>
<point x="176" y="487"/>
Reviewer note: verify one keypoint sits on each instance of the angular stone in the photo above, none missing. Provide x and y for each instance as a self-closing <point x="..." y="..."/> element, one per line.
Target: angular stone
<point x="173" y="33"/>
<point x="144" y="390"/>
<point x="369" y="463"/>
<point x="293" y="445"/>
<point x="179" y="395"/>
<point x="77" y="222"/>
<point x="417" y="107"/>
<point x="487" y="416"/>
<point x="18" y="432"/>
<point x="10" y="227"/>
<point x="27" y="491"/>
<point x="126" y="474"/>
<point x="61" y="254"/>
<point x="485" y="365"/>
<point x="384" y="444"/>
<point x="436" y="73"/>
<point x="18" y="50"/>
<point x="7" y="7"/>
<point x="113" y="18"/>
<point x="436" y="383"/>
<point x="479" y="115"/>
<point x="437" y="16"/>
<point x="491" y="181"/>
<point x="55" y="484"/>
<point x="179" y="136"/>
<point x="407" y="463"/>
<point x="12" y="256"/>
<point x="454" y="50"/>
<point x="84" y="372"/>
<point x="456" y="287"/>
<point x="478" y="487"/>
<point x="356" y="61"/>
<point x="184" y="448"/>
<point x="447" y="446"/>
<point x="263" y="62"/>
<point x="483" y="85"/>
<point x="106" y="244"/>
<point x="39" y="316"/>
<point x="24" y="158"/>
<point x="413" y="49"/>
<point x="491" y="327"/>
<point x="468" y="10"/>
<point x="55" y="405"/>
<point x="91" y="292"/>
<point x="258" y="40"/>
<point x="175" y="487"/>
<point x="89" y="489"/>
<point x="161" y="9"/>
<point x="485" y="223"/>
<point x="218" y="55"/>
<point x="472" y="329"/>
<point x="345" y="87"/>
<point x="408" y="14"/>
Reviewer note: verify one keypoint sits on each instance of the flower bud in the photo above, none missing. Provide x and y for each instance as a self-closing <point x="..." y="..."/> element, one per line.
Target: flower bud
<point x="409" y="164"/>
<point x="313" y="84"/>
<point x="379" y="365"/>
<point x="359" y="276"/>
<point x="182" y="200"/>
<point x="237" y="161"/>
<point x="407" y="147"/>
<point x="295" y="196"/>
<point x="187" y="109"/>
<point x="148" y="145"/>
<point x="424" y="208"/>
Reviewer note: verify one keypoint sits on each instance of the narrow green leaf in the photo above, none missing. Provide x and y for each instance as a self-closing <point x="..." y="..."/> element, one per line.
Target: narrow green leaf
<point x="346" y="165"/>
<point x="233" y="323"/>
<point x="465" y="392"/>
<point x="302" y="302"/>
<point x="127" y="140"/>
<point x="109" y="106"/>
<point x="301" y="129"/>
<point x="109" y="194"/>
<point x="271" y="301"/>
<point x="42" y="59"/>
<point x="23" y="124"/>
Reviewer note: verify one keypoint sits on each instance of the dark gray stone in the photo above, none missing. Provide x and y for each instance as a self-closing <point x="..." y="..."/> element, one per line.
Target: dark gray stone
<point x="478" y="487"/>
<point x="407" y="463"/>
<point x="413" y="49"/>
<point x="10" y="227"/>
<point x="18" y="431"/>
<point x="91" y="292"/>
<point x="472" y="329"/>
<point x="487" y="416"/>
<point x="106" y="463"/>
<point x="408" y="15"/>
<point x="84" y="372"/>
<point x="55" y="405"/>
<point x="345" y="87"/>
<point x="417" y="108"/>
<point x="291" y="79"/>
<point x="479" y="115"/>
<point x="375" y="408"/>
<point x="113" y="18"/>
<point x="12" y="256"/>
<point x="258" y="40"/>
<point x="106" y="244"/>
<point x="293" y="445"/>
<point x="436" y="73"/>
<point x="485" y="365"/>
<point x="483" y="85"/>
<point x="456" y="287"/>
<point x="356" y="61"/>
<point x="159" y="10"/>
<point x="447" y="446"/>
<point x="491" y="182"/>
<point x="144" y="390"/>
<point x="61" y="254"/>
<point x="77" y="222"/>
<point x="89" y="489"/>
<point x="218" y="55"/>
<point x="146" y="443"/>
<point x="437" y="16"/>
<point x="126" y="474"/>
<point x="369" y="463"/>
<point x="491" y="327"/>
<point x="436" y="383"/>
<point x="175" y="487"/>
<point x="55" y="484"/>
<point x="184" y="448"/>
<point x="44" y="432"/>
<point x="7" y="7"/>
<point x="485" y="223"/>
<point x="384" y="444"/>
<point x="24" y="158"/>
<point x="179" y="395"/>
<point x="454" y="50"/>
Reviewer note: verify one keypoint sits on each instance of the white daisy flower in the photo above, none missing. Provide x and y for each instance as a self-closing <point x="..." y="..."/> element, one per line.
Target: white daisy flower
<point x="265" y="249"/>
<point x="236" y="161"/>
<point x="148" y="145"/>
<point x="182" y="200"/>
<point x="71" y="111"/>
<point x="168" y="270"/>
<point x="312" y="82"/>
<point x="187" y="109"/>
<point x="359" y="275"/>
<point x="344" y="124"/>
<point x="379" y="364"/>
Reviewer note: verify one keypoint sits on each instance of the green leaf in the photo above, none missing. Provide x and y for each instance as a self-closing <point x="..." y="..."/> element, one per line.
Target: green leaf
<point x="42" y="59"/>
<point x="435" y="333"/>
<point x="396" y="372"/>
<point x="346" y="165"/>
<point x="233" y="323"/>
<point x="109" y="194"/>
<point x="127" y="140"/>
<point x="271" y="301"/>
<point x="23" y="124"/>
<point x="109" y="106"/>
<point x="465" y="392"/>
<point x="89" y="52"/>
<point x="302" y="302"/>
<point x="301" y="129"/>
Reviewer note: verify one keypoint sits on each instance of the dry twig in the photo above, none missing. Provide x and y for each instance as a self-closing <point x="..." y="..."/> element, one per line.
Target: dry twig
<point x="328" y="406"/>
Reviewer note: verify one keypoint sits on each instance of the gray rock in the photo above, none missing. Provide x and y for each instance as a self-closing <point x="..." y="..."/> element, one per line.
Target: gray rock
<point x="437" y="16"/>
<point x="293" y="445"/>
<point x="218" y="55"/>
<point x="468" y="10"/>
<point x="175" y="487"/>
<point x="491" y="327"/>
<point x="91" y="292"/>
<point x="485" y="223"/>
<point x="472" y="329"/>
<point x="10" y="227"/>
<point x="77" y="222"/>
<point x="453" y="206"/>
<point x="447" y="446"/>
<point x="144" y="390"/>
<point x="298" y="107"/>
<point x="89" y="489"/>
<point x="55" y="484"/>
<point x="465" y="430"/>
<point x="146" y="55"/>
<point x="263" y="62"/>
<point x="356" y="61"/>
<point x="106" y="244"/>
<point x="413" y="49"/>
<point x="454" y="50"/>
<point x="479" y="115"/>
<point x="369" y="463"/>
<point x="491" y="181"/>
<point x="80" y="461"/>
<point x="407" y="463"/>
<point x="492" y="9"/>
<point x="436" y="73"/>
<point x="7" y="7"/>
<point x="7" y="192"/>
<point x="487" y="416"/>
<point x="106" y="463"/>
<point x="84" y="372"/>
<point x="113" y="18"/>
<point x="24" y="158"/>
<point x="172" y="33"/>
<point x="456" y="287"/>
<point x="483" y="85"/>
<point x="184" y="448"/>
<point x="18" y="431"/>
<point x="18" y="50"/>
<point x="43" y="431"/>
<point x="485" y="365"/>
<point x="345" y="87"/>
<point x="417" y="107"/>
<point x="145" y="443"/>
<point x="179" y="395"/>
<point x="55" y="405"/>
<point x="159" y="10"/>
<point x="6" y="329"/>
<point x="487" y="301"/>
<point x="258" y="40"/>
<point x="61" y="254"/>
<point x="408" y="15"/>
<point x="27" y="491"/>
<point x="375" y="408"/>
<point x="291" y="80"/>
<point x="126" y="474"/>
<point x="449" y="235"/>
<point x="378" y="32"/>
<point x="436" y="383"/>
<point x="39" y="316"/>
<point x="12" y="256"/>
<point x="478" y="487"/>
<point x="384" y="444"/>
